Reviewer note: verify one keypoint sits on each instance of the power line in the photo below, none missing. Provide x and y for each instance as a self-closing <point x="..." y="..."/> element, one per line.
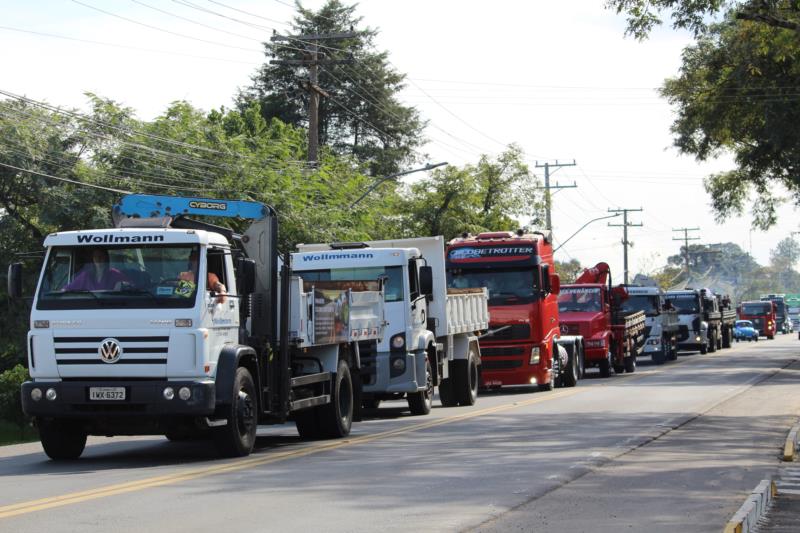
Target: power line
<point x="65" y="179"/>
<point x="201" y="24"/>
<point x="686" y="240"/>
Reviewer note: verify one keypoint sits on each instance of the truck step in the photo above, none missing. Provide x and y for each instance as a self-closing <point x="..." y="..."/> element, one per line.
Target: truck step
<point x="309" y="402"/>
<point x="310" y="378"/>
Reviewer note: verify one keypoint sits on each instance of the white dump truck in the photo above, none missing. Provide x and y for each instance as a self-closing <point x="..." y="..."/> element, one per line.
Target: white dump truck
<point x="169" y="325"/>
<point x="431" y="336"/>
<point x="661" y="322"/>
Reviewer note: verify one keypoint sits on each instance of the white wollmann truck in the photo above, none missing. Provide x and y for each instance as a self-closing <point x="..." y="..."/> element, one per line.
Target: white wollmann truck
<point x="431" y="336"/>
<point x="158" y="353"/>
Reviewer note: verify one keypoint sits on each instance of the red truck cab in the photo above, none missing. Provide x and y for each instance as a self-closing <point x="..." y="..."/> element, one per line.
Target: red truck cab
<point x="517" y="269"/>
<point x="591" y="307"/>
<point x="763" y="316"/>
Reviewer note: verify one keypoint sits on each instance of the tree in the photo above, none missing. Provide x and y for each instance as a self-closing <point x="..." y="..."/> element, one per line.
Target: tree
<point x="362" y="116"/>
<point x="735" y="94"/>
<point x="568" y="270"/>
<point x="488" y="196"/>
<point x="644" y="15"/>
<point x="785" y="255"/>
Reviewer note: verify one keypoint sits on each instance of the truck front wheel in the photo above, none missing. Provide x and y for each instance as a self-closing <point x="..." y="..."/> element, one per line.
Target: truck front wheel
<point x="465" y="374"/>
<point x="605" y="366"/>
<point x="421" y="402"/>
<point x="336" y="418"/>
<point x="61" y="440"/>
<point x="238" y="437"/>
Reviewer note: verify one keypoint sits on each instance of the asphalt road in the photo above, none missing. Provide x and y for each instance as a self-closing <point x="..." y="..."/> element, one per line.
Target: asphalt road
<point x="669" y="448"/>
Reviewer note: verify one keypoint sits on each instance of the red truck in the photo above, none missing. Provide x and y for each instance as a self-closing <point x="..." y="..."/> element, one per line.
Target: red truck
<point x="763" y="316"/>
<point x="592" y="308"/>
<point x="524" y="345"/>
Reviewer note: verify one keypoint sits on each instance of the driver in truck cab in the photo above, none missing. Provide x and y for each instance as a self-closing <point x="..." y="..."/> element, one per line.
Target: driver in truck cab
<point x="213" y="284"/>
<point x="97" y="275"/>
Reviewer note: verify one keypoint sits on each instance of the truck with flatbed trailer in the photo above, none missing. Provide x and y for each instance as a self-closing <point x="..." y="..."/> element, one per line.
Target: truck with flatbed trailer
<point x="524" y="345"/>
<point x="431" y="337"/>
<point x="166" y="324"/>
<point x="593" y="308"/>
<point x="782" y="321"/>
<point x="727" y="319"/>
<point x="692" y="326"/>
<point x="661" y="322"/>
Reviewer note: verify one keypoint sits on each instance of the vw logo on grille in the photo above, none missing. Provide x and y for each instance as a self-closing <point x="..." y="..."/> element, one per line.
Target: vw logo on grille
<point x="110" y="350"/>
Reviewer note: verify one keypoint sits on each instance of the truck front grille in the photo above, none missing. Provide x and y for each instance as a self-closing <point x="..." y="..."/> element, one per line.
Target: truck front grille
<point x="515" y="332"/>
<point x="136" y="350"/>
<point x="500" y="365"/>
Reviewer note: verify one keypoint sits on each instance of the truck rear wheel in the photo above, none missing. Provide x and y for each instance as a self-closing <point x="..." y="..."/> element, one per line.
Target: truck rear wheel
<point x="712" y="342"/>
<point x="336" y="418"/>
<point x="660" y="357"/>
<point x="61" y="440"/>
<point x="605" y="366"/>
<point x="673" y="350"/>
<point x="421" y="402"/>
<point x="465" y="378"/>
<point x="704" y="349"/>
<point x="572" y="374"/>
<point x="238" y="437"/>
<point x="446" y="395"/>
<point x="630" y="364"/>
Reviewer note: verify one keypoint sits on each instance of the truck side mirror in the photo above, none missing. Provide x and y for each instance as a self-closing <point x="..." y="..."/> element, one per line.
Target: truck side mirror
<point x="546" y="279"/>
<point x="246" y="274"/>
<point x="555" y="284"/>
<point x="15" y="280"/>
<point x="426" y="281"/>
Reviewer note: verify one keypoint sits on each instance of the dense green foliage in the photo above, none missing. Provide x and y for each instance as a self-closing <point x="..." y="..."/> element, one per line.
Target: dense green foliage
<point x="362" y="116"/>
<point x="735" y="94"/>
<point x="10" y="402"/>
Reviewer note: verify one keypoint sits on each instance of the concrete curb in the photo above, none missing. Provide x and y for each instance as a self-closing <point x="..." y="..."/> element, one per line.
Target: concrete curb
<point x="790" y="448"/>
<point x="756" y="505"/>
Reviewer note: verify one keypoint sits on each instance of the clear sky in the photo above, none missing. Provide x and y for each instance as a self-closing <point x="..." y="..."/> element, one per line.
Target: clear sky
<point x="557" y="78"/>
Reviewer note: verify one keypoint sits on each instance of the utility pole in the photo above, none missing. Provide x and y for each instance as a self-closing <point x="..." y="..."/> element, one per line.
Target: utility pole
<point x="686" y="240"/>
<point x="312" y="59"/>
<point x="625" y="242"/>
<point x="547" y="187"/>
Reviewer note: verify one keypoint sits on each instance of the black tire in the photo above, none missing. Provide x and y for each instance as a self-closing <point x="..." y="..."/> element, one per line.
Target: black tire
<point x="466" y="379"/>
<point x="673" y="350"/>
<point x="238" y="437"/>
<point x="660" y="357"/>
<point x="446" y="395"/>
<point x="630" y="364"/>
<point x="619" y="368"/>
<point x="572" y="374"/>
<point x="605" y="367"/>
<point x="704" y="349"/>
<point x="61" y="440"/>
<point x="336" y="418"/>
<point x="756" y="339"/>
<point x="770" y="337"/>
<point x="726" y="337"/>
<point x="420" y="403"/>
<point x="712" y="343"/>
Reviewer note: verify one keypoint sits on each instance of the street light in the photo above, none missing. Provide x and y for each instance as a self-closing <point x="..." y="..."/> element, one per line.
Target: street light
<point x="429" y="166"/>
<point x="581" y="228"/>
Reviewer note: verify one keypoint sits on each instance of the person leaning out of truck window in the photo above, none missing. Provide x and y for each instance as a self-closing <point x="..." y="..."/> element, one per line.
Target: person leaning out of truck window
<point x="213" y="284"/>
<point x="98" y="275"/>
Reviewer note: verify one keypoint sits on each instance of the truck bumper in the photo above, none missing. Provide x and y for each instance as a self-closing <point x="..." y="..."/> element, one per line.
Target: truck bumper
<point x="142" y="399"/>
<point x="510" y="365"/>
<point x="395" y="372"/>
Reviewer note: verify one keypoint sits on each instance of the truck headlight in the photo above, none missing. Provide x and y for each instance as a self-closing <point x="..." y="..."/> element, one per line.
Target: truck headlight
<point x="654" y="341"/>
<point x="534" y="360"/>
<point x="51" y="394"/>
<point x="398" y="342"/>
<point x="36" y="394"/>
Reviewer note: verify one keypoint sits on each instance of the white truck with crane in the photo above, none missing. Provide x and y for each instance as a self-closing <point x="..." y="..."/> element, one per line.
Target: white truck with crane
<point x="131" y="332"/>
<point x="432" y="332"/>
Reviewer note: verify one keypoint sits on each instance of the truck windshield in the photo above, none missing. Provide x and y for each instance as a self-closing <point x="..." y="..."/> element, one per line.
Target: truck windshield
<point x="393" y="286"/>
<point x="146" y="276"/>
<point x="582" y="300"/>
<point x="686" y="304"/>
<point x="756" y="309"/>
<point x="507" y="286"/>
<point x="641" y="302"/>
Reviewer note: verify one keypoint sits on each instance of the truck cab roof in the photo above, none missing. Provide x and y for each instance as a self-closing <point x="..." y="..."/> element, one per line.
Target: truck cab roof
<point x="123" y="236"/>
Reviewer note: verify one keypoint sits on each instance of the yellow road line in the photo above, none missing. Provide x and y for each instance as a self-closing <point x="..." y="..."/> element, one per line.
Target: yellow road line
<point x="112" y="490"/>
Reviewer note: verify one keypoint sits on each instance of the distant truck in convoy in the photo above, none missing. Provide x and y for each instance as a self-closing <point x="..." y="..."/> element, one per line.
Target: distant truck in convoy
<point x="727" y="320"/>
<point x="593" y="308"/>
<point x="524" y="345"/>
<point x="431" y="332"/>
<point x="793" y="311"/>
<point x="782" y="322"/>
<point x="169" y="325"/>
<point x="699" y="319"/>
<point x="762" y="315"/>
<point x="661" y="322"/>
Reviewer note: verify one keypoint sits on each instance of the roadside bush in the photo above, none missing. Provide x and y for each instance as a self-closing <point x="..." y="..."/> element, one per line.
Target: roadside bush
<point x="10" y="402"/>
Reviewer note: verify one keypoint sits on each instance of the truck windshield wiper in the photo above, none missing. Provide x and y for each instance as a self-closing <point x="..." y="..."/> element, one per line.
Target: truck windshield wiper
<point x="134" y="290"/>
